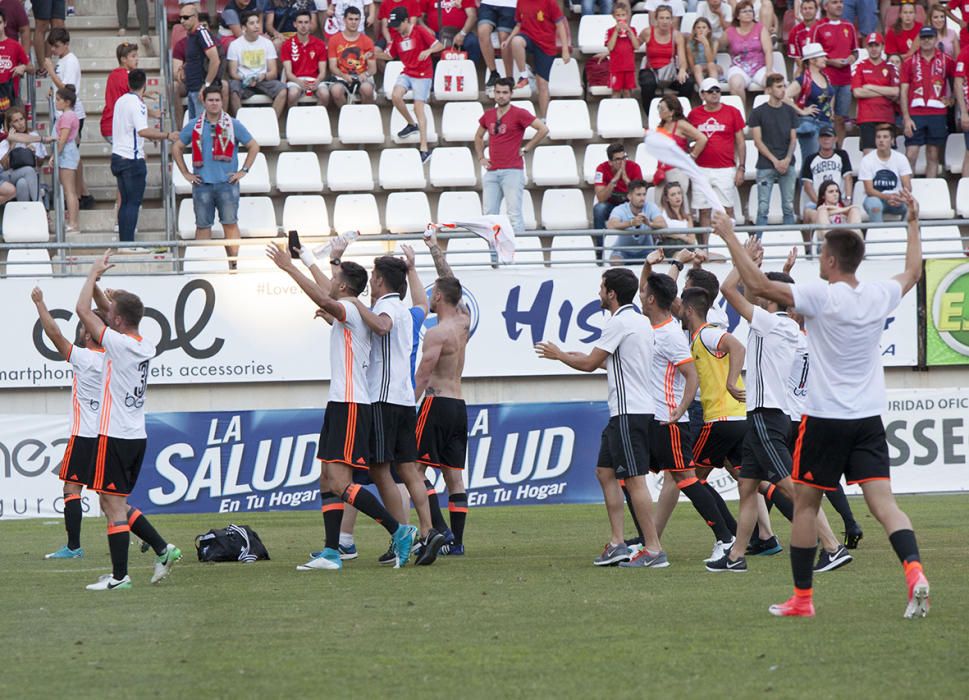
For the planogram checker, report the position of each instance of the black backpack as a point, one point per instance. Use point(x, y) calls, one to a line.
point(234, 543)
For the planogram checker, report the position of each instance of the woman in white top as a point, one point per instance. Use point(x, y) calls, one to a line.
point(832, 209)
point(20, 153)
point(673, 204)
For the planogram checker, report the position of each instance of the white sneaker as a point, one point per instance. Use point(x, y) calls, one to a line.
point(719, 550)
point(165, 562)
point(107, 582)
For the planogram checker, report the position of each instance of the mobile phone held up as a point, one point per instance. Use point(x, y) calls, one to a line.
point(294, 244)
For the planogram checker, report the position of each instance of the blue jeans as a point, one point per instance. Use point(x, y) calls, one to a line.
point(600, 215)
point(766, 178)
point(132, 174)
point(195, 107)
point(589, 7)
point(877, 208)
point(472, 47)
point(206, 198)
point(866, 14)
point(807, 135)
point(507, 184)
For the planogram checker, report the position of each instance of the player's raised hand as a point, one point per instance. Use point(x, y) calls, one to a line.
point(430, 236)
point(655, 257)
point(36, 295)
point(722, 224)
point(913, 204)
point(686, 255)
point(409, 257)
point(548, 351)
point(755, 249)
point(102, 264)
point(791, 259)
point(281, 257)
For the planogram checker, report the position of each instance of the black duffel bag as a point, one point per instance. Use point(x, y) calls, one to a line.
point(234, 543)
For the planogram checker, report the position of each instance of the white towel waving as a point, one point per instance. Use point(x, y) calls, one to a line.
point(665, 150)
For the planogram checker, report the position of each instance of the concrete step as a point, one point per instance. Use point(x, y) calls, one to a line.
point(106, 9)
point(91, 20)
point(78, 262)
point(103, 220)
point(104, 44)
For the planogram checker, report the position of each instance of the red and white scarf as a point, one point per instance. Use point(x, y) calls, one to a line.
point(928, 87)
point(223, 140)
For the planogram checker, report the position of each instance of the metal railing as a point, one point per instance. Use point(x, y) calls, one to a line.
point(57, 192)
point(167, 109)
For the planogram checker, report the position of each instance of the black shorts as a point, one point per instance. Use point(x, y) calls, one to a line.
point(766, 455)
point(624, 447)
point(720, 442)
point(77, 467)
point(930, 129)
point(117, 465)
point(49, 9)
point(442, 433)
point(670, 446)
point(393, 438)
point(792, 436)
point(828, 448)
point(866, 138)
point(345, 436)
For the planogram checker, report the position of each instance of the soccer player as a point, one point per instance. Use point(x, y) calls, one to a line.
point(121, 429)
point(842, 433)
point(625, 349)
point(345, 435)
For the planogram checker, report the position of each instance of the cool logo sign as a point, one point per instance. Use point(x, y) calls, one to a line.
point(469, 300)
point(949, 311)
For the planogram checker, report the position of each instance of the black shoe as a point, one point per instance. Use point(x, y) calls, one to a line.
point(425, 156)
point(407, 131)
point(829, 562)
point(724, 564)
point(430, 546)
point(853, 535)
point(635, 541)
point(388, 557)
point(86, 202)
point(492, 79)
point(767, 547)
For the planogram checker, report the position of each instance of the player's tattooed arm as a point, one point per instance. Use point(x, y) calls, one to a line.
point(440, 261)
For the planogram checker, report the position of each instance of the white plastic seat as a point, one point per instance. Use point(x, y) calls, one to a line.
point(932, 194)
point(568, 119)
point(459, 121)
point(777, 244)
point(780, 65)
point(619, 119)
point(852, 146)
point(306, 214)
point(750, 161)
point(257, 217)
point(564, 209)
point(397, 123)
point(363, 251)
point(308, 126)
point(595, 155)
point(962, 198)
point(407, 212)
point(186, 221)
point(257, 181)
point(919, 169)
point(554, 166)
point(885, 242)
point(392, 71)
point(349, 171)
point(456, 206)
point(252, 258)
point(452, 166)
point(686, 23)
point(733, 101)
point(262, 123)
point(564, 79)
point(298, 171)
point(528, 107)
point(528, 211)
point(592, 32)
point(360, 124)
point(572, 249)
point(758, 100)
point(638, 22)
point(949, 243)
point(652, 117)
point(455, 80)
point(401, 169)
point(202, 259)
point(955, 152)
point(25, 222)
point(181, 185)
point(469, 252)
point(646, 161)
point(356, 212)
point(29, 262)
point(774, 215)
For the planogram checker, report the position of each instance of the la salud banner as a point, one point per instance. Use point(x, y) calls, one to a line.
point(947, 312)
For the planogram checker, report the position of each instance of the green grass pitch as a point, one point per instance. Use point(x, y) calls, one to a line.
point(523, 614)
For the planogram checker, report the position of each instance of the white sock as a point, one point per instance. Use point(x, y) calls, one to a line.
point(346, 539)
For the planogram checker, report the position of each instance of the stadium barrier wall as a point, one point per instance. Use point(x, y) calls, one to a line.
point(947, 312)
point(518, 454)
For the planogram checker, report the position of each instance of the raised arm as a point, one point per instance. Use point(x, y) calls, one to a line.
point(754, 279)
point(655, 257)
point(418, 297)
point(584, 362)
point(322, 299)
point(47, 321)
point(731, 292)
point(95, 326)
point(101, 300)
point(440, 262)
point(913, 245)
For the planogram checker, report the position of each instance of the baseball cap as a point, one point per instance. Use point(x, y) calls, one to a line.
point(398, 16)
point(826, 131)
point(928, 32)
point(875, 38)
point(709, 84)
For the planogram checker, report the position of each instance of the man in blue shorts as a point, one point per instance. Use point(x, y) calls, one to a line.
point(539, 24)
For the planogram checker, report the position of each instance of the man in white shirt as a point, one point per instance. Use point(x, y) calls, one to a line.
point(254, 68)
point(886, 174)
point(625, 349)
point(842, 433)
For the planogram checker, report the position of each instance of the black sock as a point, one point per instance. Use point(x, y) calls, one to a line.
point(725, 515)
point(905, 546)
point(802, 566)
point(707, 508)
point(332, 517)
point(142, 528)
point(632, 512)
point(783, 503)
point(457, 505)
point(367, 503)
point(838, 499)
point(72, 520)
point(119, 537)
point(437, 519)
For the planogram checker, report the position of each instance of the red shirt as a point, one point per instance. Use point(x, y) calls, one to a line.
point(408, 49)
point(452, 13)
point(537, 19)
point(839, 40)
point(901, 41)
point(719, 127)
point(604, 174)
point(961, 5)
point(962, 70)
point(885, 74)
point(622, 58)
point(926, 91)
point(305, 58)
point(413, 8)
point(116, 86)
point(505, 141)
point(16, 16)
point(798, 37)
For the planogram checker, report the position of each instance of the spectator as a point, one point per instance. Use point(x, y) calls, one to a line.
point(214, 139)
point(495, 16)
point(333, 14)
point(961, 90)
point(47, 14)
point(948, 38)
point(885, 172)
point(611, 183)
point(17, 23)
point(839, 41)
point(414, 45)
point(384, 34)
point(117, 86)
point(178, 75)
point(875, 85)
point(962, 19)
point(254, 68)
point(774, 128)
point(901, 39)
point(141, 10)
point(505, 166)
point(830, 164)
point(352, 62)
point(230, 19)
point(304, 64)
point(13, 65)
point(722, 159)
point(664, 65)
point(202, 62)
point(280, 19)
point(677, 8)
point(890, 9)
point(589, 7)
point(454, 23)
point(801, 32)
point(750, 48)
point(538, 23)
point(832, 209)
point(65, 131)
point(863, 14)
point(621, 44)
point(20, 155)
point(637, 215)
point(130, 129)
point(813, 96)
point(673, 123)
point(700, 52)
point(672, 204)
point(926, 77)
point(719, 14)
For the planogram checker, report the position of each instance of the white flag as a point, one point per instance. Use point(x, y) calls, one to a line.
point(665, 150)
point(496, 230)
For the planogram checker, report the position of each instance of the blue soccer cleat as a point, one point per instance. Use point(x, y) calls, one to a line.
point(403, 541)
point(65, 553)
point(328, 560)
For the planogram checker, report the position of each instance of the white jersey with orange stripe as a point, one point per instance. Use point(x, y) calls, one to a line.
point(124, 384)
point(349, 357)
point(666, 383)
point(86, 392)
point(389, 371)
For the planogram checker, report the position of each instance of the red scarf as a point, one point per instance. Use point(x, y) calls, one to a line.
point(223, 140)
point(929, 87)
